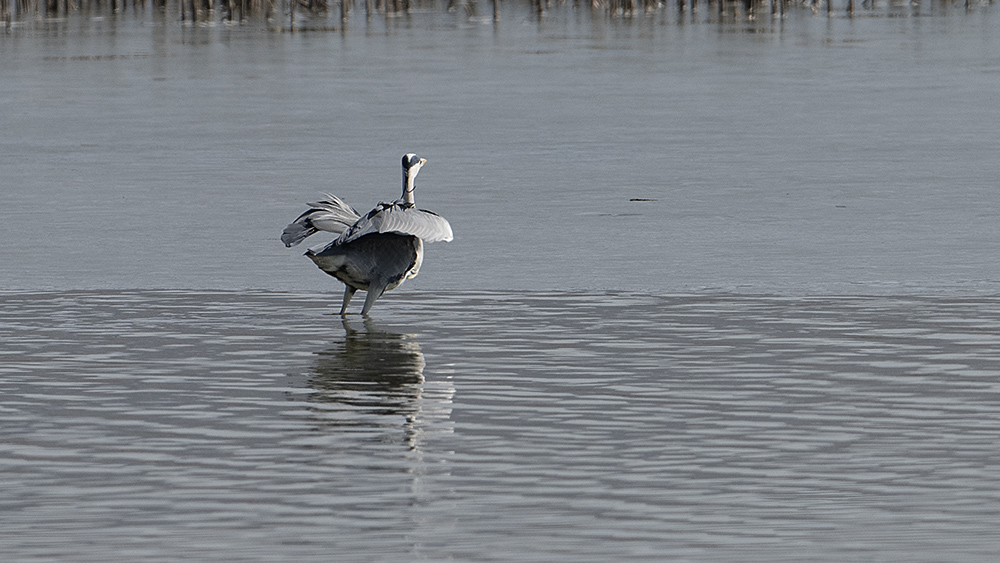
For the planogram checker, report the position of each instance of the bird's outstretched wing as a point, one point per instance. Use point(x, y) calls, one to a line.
point(331, 214)
point(399, 217)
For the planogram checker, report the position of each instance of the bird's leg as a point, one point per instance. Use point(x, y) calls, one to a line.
point(374, 292)
point(348, 293)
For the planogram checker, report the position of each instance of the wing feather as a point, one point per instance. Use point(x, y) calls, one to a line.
point(400, 218)
point(331, 214)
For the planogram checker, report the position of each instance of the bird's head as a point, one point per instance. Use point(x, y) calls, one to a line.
point(412, 164)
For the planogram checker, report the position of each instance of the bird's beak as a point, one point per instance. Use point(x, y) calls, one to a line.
point(423, 161)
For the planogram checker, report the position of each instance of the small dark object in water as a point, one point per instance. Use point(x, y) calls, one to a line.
point(641, 199)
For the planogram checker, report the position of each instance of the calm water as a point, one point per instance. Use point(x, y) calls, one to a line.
point(808, 155)
point(787, 350)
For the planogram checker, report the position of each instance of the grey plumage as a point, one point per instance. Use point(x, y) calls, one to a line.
point(398, 217)
point(378, 251)
point(332, 215)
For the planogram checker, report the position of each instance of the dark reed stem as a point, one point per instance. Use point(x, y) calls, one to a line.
point(12, 11)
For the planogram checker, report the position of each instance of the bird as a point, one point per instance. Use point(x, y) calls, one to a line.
point(378, 251)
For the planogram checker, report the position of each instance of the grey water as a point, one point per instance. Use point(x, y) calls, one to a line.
point(813, 154)
point(724, 287)
point(485, 426)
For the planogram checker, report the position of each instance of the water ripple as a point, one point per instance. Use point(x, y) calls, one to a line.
point(562, 426)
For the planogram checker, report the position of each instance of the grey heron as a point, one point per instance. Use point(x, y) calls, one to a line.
point(376, 252)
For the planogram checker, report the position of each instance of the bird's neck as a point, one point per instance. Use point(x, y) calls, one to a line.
point(408, 185)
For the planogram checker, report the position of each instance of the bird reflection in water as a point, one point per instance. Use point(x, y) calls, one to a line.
point(373, 381)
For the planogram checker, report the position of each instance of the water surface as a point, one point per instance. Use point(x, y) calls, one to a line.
point(482, 426)
point(807, 155)
point(722, 289)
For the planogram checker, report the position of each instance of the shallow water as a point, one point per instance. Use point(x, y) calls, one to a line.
point(806, 155)
point(560, 426)
point(785, 348)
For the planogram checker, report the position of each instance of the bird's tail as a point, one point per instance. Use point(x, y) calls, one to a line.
point(331, 214)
